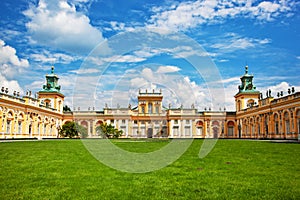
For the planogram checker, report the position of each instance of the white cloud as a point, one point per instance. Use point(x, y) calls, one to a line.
point(57, 24)
point(177, 89)
point(86, 71)
point(222, 60)
point(48, 57)
point(12, 85)
point(189, 14)
point(282, 86)
point(232, 42)
point(10, 63)
point(124, 58)
point(8, 56)
point(167, 69)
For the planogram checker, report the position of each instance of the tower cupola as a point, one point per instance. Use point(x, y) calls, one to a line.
point(50, 95)
point(51, 82)
point(247, 84)
point(247, 95)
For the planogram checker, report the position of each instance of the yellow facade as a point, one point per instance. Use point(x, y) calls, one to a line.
point(255, 117)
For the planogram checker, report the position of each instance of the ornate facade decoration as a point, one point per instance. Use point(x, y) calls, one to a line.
point(255, 116)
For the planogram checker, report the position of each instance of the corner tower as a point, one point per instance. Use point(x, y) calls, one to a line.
point(50, 95)
point(247, 95)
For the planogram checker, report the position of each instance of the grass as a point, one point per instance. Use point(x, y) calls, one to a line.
point(234, 169)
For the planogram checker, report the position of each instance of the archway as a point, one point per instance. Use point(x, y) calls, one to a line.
point(216, 129)
point(199, 128)
point(230, 128)
point(287, 123)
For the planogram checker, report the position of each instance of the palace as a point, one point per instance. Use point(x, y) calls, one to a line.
point(255, 117)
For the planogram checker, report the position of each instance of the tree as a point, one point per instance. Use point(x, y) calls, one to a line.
point(72, 129)
point(82, 131)
point(108, 131)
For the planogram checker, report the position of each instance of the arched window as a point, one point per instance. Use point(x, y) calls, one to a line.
point(19, 127)
point(199, 126)
point(8, 126)
point(84, 124)
point(287, 122)
point(99, 122)
point(216, 129)
point(45, 130)
point(230, 128)
point(266, 125)
point(250, 103)
point(258, 126)
point(276, 124)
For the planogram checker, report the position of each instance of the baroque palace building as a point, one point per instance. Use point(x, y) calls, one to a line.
point(255, 117)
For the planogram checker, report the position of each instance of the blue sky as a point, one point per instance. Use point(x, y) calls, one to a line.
point(82, 39)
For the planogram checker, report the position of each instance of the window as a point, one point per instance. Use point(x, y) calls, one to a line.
point(143, 131)
point(175, 130)
point(38, 128)
point(20, 127)
point(45, 129)
point(8, 126)
point(176, 121)
point(187, 121)
point(123, 128)
point(230, 131)
point(157, 109)
point(187, 130)
point(199, 130)
point(150, 108)
point(143, 109)
point(287, 123)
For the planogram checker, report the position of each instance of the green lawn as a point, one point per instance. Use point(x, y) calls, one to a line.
point(234, 169)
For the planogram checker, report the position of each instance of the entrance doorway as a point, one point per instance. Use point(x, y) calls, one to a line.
point(149, 132)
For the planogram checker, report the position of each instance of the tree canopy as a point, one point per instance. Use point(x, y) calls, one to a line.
point(72, 129)
point(108, 131)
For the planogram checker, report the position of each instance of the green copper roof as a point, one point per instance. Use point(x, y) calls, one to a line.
point(51, 82)
point(247, 84)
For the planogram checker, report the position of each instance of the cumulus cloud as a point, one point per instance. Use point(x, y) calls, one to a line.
point(178, 89)
point(58, 25)
point(186, 15)
point(10, 63)
point(167, 69)
point(8, 56)
point(12, 85)
point(282, 86)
